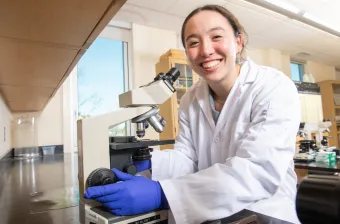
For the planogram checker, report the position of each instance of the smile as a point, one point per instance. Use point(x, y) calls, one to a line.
point(211, 64)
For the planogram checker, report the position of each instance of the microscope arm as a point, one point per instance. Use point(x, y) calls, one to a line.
point(93, 139)
point(138, 105)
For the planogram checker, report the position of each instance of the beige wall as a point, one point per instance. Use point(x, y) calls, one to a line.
point(320, 71)
point(51, 122)
point(5, 128)
point(337, 75)
point(277, 59)
point(148, 45)
point(47, 127)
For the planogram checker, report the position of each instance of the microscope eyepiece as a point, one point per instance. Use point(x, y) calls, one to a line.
point(172, 75)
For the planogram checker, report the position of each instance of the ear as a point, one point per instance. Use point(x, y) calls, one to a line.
point(239, 42)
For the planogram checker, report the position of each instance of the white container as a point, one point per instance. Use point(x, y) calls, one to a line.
point(48, 150)
point(311, 78)
point(305, 78)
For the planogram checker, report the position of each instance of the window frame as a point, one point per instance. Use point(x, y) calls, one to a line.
point(118, 30)
point(115, 30)
point(301, 71)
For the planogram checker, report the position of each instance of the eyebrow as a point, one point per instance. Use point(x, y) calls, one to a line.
point(210, 30)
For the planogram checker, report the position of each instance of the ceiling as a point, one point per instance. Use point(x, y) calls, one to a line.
point(41, 41)
point(266, 28)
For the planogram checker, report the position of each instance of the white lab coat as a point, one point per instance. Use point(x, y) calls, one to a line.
point(245, 161)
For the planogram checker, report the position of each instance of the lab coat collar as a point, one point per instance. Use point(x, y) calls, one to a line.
point(248, 74)
point(202, 96)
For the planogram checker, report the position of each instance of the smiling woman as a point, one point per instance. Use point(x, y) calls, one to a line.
point(213, 48)
point(236, 140)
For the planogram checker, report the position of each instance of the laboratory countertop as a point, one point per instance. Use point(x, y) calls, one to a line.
point(318, 166)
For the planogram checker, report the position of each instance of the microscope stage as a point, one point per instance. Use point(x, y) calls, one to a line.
point(130, 142)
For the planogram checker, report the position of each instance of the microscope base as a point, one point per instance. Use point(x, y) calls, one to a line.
point(98, 215)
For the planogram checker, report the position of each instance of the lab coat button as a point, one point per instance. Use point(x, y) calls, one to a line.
point(217, 140)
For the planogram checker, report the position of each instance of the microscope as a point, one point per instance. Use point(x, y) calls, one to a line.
point(315, 139)
point(98, 153)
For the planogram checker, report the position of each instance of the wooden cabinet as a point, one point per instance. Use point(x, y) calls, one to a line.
point(330, 90)
point(311, 108)
point(169, 109)
point(300, 173)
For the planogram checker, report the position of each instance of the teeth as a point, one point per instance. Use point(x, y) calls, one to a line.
point(210, 64)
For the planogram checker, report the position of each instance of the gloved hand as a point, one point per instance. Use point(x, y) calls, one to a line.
point(142, 165)
point(135, 195)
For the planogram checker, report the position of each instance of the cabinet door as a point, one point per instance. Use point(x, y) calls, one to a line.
point(182, 85)
point(184, 81)
point(311, 108)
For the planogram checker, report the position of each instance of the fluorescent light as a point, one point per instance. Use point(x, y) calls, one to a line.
point(321, 22)
point(284, 5)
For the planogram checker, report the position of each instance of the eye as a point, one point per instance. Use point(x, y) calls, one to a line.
point(193, 43)
point(217, 37)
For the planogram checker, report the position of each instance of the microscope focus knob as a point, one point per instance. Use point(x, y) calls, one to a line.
point(101, 176)
point(130, 169)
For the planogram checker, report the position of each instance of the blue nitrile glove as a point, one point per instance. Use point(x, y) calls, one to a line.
point(135, 195)
point(142, 165)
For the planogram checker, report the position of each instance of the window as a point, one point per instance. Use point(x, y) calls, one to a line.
point(297, 71)
point(103, 74)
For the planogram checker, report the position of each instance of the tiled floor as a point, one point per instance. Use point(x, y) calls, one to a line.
point(39, 190)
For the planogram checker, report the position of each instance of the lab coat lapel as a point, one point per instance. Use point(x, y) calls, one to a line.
point(202, 96)
point(247, 76)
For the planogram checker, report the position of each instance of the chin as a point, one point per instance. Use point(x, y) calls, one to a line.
point(213, 78)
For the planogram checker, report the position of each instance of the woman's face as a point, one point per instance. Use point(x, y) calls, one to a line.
point(211, 45)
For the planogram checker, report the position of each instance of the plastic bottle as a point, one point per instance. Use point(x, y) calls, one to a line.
point(311, 78)
point(306, 78)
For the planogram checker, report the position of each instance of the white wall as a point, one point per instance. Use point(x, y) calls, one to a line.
point(5, 128)
point(50, 123)
point(69, 111)
point(47, 128)
point(148, 44)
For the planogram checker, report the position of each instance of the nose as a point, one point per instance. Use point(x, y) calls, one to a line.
point(207, 48)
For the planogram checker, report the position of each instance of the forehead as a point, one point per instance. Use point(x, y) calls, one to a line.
point(205, 21)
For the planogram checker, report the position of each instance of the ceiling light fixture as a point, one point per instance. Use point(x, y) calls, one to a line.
point(286, 9)
point(319, 21)
point(284, 5)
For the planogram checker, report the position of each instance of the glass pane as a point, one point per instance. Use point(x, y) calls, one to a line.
point(294, 69)
point(181, 83)
point(189, 76)
point(101, 80)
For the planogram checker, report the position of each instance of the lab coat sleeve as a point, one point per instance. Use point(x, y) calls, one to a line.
point(181, 160)
point(265, 151)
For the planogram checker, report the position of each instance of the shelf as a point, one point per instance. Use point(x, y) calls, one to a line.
point(337, 107)
point(185, 78)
